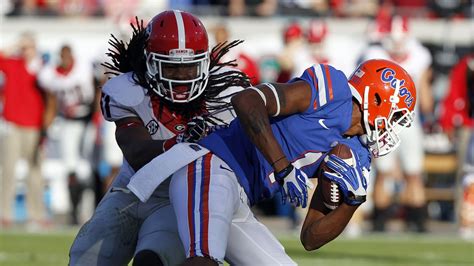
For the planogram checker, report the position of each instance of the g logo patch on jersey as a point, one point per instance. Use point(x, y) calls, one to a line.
point(152, 126)
point(179, 127)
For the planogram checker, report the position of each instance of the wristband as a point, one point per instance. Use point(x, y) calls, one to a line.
point(280, 175)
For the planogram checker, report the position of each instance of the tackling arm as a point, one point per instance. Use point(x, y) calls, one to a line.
point(322, 225)
point(136, 143)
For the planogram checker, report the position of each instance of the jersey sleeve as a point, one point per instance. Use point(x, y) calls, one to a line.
point(113, 110)
point(119, 98)
point(327, 84)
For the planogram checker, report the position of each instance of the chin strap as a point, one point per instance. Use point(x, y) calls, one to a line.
point(365, 111)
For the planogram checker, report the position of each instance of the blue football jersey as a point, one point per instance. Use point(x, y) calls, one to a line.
point(304, 137)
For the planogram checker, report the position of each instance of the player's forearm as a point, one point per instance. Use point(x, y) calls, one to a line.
point(253, 116)
point(323, 230)
point(136, 144)
point(142, 152)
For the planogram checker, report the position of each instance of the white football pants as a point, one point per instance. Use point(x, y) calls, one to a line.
point(214, 218)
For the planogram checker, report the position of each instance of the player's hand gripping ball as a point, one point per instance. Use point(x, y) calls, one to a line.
point(331, 194)
point(341, 167)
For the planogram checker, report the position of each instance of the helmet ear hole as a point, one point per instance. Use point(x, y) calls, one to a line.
point(378, 99)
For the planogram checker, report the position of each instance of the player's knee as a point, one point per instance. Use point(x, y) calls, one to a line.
point(414, 178)
point(147, 258)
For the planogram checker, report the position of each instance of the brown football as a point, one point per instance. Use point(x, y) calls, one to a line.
point(331, 194)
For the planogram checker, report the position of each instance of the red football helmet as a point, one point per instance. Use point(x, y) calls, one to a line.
point(396, 38)
point(387, 96)
point(317, 31)
point(177, 56)
point(292, 31)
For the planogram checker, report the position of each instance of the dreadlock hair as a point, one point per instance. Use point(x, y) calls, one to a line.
point(126, 57)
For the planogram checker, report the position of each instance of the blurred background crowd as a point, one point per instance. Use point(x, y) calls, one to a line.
point(58, 155)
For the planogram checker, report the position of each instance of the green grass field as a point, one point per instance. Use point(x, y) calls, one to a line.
point(23, 249)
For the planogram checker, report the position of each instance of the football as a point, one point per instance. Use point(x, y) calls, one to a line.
point(331, 194)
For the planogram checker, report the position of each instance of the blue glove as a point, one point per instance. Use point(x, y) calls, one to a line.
point(294, 183)
point(352, 179)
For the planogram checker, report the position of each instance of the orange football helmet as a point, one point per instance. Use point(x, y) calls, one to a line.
point(387, 96)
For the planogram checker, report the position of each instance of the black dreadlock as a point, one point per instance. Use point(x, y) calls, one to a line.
point(130, 57)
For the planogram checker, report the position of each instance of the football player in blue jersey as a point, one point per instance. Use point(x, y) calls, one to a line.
point(278, 140)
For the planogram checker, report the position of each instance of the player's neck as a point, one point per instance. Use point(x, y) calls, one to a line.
point(356, 128)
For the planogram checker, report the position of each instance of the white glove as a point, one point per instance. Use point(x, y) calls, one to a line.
point(294, 183)
point(350, 178)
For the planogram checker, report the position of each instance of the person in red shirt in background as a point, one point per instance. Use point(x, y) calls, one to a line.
point(458, 105)
point(26, 116)
point(457, 120)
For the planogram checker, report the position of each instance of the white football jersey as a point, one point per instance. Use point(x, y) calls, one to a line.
point(122, 97)
point(74, 90)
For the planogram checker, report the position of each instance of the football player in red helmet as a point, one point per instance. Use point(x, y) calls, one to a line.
point(312, 112)
point(397, 44)
point(316, 36)
point(169, 87)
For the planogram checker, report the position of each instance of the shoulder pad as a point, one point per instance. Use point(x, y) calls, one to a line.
point(124, 90)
